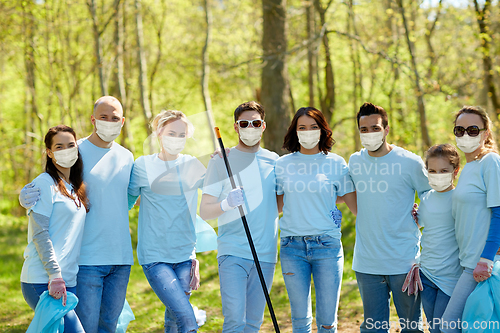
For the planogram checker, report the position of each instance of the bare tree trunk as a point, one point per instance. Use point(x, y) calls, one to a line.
point(275, 93)
point(328, 104)
point(126, 139)
point(426, 140)
point(205, 67)
point(431, 26)
point(141, 58)
point(311, 52)
point(97, 42)
point(356, 73)
point(159, 54)
point(483, 22)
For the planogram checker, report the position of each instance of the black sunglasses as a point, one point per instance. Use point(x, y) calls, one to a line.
point(256, 123)
point(459, 131)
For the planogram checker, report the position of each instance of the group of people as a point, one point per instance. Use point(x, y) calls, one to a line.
point(79, 239)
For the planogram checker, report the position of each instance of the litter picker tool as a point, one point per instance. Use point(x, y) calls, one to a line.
point(249, 236)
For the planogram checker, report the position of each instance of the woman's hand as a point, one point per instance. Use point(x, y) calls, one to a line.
point(57, 289)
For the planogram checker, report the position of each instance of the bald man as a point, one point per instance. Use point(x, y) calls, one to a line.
point(106, 253)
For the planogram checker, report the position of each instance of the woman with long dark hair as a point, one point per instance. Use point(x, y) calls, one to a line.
point(56, 224)
point(312, 180)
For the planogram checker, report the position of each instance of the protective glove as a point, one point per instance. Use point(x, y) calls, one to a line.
point(233, 200)
point(194, 283)
point(57, 289)
point(412, 282)
point(483, 270)
point(29, 195)
point(414, 213)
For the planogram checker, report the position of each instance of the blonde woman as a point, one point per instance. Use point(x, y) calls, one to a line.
point(475, 208)
point(168, 184)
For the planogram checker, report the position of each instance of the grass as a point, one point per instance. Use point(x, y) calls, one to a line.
point(15, 315)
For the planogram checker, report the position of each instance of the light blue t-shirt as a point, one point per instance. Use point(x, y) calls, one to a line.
point(255, 172)
point(311, 184)
point(106, 237)
point(169, 199)
point(66, 223)
point(478, 189)
point(439, 258)
point(387, 237)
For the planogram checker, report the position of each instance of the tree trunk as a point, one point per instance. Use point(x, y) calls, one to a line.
point(275, 92)
point(328, 104)
point(426, 140)
point(356, 74)
point(141, 59)
point(485, 35)
point(205, 70)
point(97, 42)
point(311, 51)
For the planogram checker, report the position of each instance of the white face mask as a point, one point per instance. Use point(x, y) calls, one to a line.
point(250, 136)
point(467, 143)
point(372, 141)
point(440, 181)
point(108, 130)
point(309, 139)
point(66, 158)
point(173, 145)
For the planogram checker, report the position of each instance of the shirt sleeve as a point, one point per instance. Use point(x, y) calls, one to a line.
point(493, 240)
point(43, 244)
point(491, 177)
point(212, 184)
point(134, 186)
point(345, 184)
point(419, 178)
point(45, 204)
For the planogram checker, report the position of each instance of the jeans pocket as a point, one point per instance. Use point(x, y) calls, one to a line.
point(147, 267)
point(221, 259)
point(329, 241)
point(285, 241)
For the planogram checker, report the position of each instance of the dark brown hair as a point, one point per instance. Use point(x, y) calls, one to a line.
point(76, 174)
point(445, 150)
point(249, 106)
point(326, 142)
point(368, 109)
point(490, 145)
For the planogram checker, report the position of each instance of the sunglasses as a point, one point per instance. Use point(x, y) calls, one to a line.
point(459, 131)
point(256, 123)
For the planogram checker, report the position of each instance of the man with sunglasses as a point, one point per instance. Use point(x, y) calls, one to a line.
point(243, 301)
point(386, 178)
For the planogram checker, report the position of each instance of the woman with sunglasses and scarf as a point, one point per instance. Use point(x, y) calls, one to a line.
point(56, 225)
point(312, 180)
point(475, 207)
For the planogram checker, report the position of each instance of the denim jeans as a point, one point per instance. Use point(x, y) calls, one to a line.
point(376, 292)
point(101, 292)
point(243, 300)
point(170, 282)
point(434, 301)
point(31, 294)
point(322, 256)
point(452, 317)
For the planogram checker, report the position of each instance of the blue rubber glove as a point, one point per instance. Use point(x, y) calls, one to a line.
point(233, 200)
point(29, 195)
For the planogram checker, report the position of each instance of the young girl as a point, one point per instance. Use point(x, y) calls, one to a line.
point(168, 184)
point(312, 179)
point(439, 264)
point(56, 225)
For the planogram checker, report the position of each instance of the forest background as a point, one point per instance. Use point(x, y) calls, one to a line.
point(421, 60)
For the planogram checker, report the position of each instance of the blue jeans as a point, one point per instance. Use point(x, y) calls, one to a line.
point(243, 300)
point(170, 282)
point(101, 292)
point(322, 256)
point(375, 291)
point(434, 301)
point(452, 317)
point(31, 294)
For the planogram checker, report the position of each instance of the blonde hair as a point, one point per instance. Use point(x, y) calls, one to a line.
point(490, 145)
point(166, 116)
